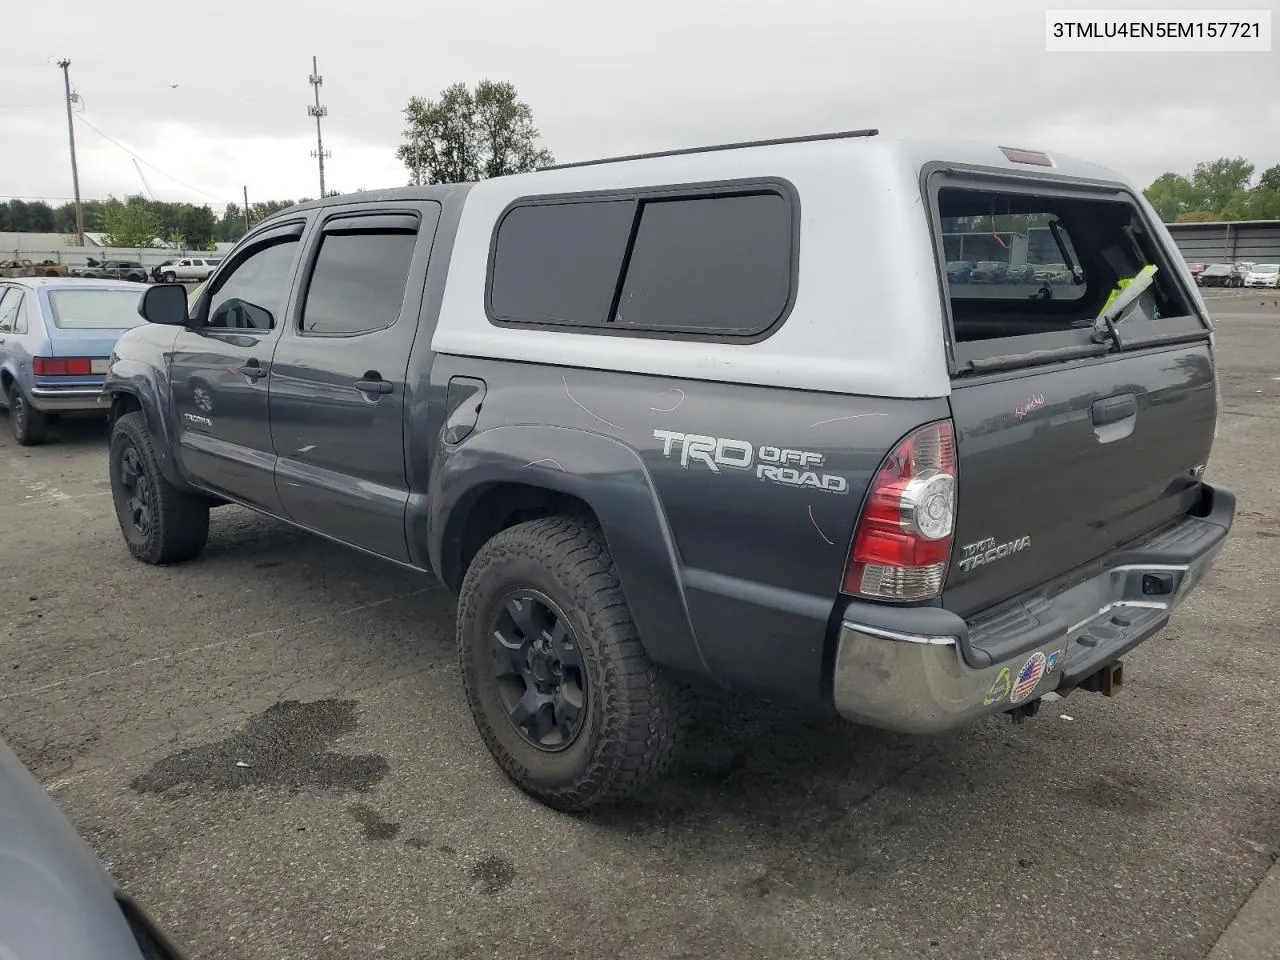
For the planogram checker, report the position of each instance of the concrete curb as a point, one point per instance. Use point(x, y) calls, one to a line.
point(1254, 932)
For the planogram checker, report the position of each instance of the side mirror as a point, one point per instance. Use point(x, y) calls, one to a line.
point(164, 303)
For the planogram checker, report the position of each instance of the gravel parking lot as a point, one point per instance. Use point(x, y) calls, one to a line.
point(271, 750)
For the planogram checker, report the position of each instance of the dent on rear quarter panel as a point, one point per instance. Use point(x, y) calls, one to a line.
point(756, 561)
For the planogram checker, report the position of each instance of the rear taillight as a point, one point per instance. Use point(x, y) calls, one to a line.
point(903, 540)
point(63, 366)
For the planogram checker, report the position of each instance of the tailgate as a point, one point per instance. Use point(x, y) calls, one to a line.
point(1062, 466)
point(1072, 436)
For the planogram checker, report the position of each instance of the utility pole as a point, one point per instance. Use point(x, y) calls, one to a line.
point(246, 209)
point(71, 136)
point(318, 111)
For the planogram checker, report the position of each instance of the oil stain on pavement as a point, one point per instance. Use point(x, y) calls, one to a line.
point(375, 827)
point(493, 875)
point(284, 746)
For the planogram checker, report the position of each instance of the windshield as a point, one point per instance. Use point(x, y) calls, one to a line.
point(94, 309)
point(1267, 268)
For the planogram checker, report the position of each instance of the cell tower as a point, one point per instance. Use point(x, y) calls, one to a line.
point(318, 111)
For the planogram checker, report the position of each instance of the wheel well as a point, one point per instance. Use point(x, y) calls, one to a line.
point(6, 378)
point(122, 403)
point(504, 505)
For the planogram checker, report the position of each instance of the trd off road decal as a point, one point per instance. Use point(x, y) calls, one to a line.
point(792, 468)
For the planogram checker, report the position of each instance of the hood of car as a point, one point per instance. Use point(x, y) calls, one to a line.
point(56, 900)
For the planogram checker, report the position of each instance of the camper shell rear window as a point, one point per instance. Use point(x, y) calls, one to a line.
point(1026, 267)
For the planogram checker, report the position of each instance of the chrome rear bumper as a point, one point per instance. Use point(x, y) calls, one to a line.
point(924, 682)
point(67, 400)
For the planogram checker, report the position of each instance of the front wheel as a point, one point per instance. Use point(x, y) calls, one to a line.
point(161, 524)
point(168, 276)
point(30, 427)
point(557, 681)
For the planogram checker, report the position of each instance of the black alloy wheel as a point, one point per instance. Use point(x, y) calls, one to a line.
point(137, 492)
point(540, 673)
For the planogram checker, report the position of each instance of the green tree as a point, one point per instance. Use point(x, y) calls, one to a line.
point(1219, 180)
point(1260, 203)
point(1172, 195)
point(260, 211)
point(131, 223)
point(197, 226)
point(64, 218)
point(466, 136)
point(41, 215)
point(1270, 179)
point(19, 217)
point(230, 224)
point(95, 216)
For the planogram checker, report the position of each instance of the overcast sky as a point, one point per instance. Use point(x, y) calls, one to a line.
point(214, 93)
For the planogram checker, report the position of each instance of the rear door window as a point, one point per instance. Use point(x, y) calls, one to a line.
point(358, 284)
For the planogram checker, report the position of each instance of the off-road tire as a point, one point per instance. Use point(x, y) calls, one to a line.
point(180, 521)
point(30, 427)
point(168, 277)
point(636, 715)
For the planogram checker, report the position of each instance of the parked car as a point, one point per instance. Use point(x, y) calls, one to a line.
point(1195, 269)
point(599, 404)
point(187, 268)
point(56, 336)
point(1263, 275)
point(112, 270)
point(56, 898)
point(1217, 275)
point(989, 271)
point(959, 271)
point(29, 268)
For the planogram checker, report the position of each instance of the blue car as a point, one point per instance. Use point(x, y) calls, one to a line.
point(56, 335)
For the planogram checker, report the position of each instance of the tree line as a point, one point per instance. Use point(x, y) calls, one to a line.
point(1223, 189)
point(467, 134)
point(138, 221)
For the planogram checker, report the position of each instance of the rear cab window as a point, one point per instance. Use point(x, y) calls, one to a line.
point(1027, 267)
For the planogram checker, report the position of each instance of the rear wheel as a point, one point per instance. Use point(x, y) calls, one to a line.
point(30, 427)
point(559, 685)
point(160, 523)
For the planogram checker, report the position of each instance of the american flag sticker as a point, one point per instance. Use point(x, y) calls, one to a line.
point(1028, 677)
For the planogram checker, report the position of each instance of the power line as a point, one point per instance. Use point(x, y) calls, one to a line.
point(81, 117)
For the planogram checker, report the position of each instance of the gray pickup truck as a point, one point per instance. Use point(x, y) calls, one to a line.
point(711, 417)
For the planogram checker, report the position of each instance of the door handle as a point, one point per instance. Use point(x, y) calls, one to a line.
point(1114, 409)
point(372, 382)
point(253, 371)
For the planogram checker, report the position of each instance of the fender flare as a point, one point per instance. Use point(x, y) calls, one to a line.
point(139, 381)
point(612, 480)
